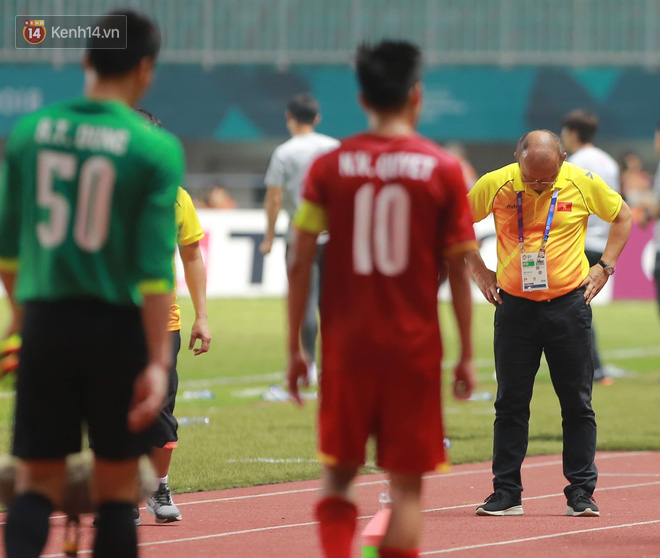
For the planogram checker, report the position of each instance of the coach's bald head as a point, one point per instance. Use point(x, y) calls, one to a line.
point(540, 155)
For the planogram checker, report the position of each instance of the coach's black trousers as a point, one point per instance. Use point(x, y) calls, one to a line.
point(560, 328)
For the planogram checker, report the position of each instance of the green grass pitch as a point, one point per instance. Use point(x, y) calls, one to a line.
point(249, 441)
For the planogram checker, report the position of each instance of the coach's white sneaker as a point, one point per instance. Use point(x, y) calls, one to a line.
point(582, 504)
point(161, 506)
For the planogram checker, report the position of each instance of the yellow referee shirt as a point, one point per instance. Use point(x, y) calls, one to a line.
point(189, 230)
point(581, 193)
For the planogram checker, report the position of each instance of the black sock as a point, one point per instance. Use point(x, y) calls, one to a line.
point(115, 531)
point(26, 530)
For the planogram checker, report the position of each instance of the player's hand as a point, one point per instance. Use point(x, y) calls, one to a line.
point(266, 245)
point(148, 396)
point(487, 282)
point(297, 374)
point(200, 330)
point(594, 282)
point(464, 379)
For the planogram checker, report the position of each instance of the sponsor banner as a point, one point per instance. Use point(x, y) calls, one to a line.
point(236, 268)
point(633, 279)
point(234, 265)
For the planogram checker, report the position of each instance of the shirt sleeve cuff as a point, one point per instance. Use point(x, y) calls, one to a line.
point(191, 239)
point(461, 247)
point(310, 218)
point(8, 264)
point(155, 286)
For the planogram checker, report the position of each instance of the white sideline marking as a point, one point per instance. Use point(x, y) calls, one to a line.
point(204, 537)
point(273, 460)
point(233, 380)
point(444, 551)
point(628, 475)
point(539, 538)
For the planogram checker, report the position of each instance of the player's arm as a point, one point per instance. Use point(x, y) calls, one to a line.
point(193, 268)
point(458, 238)
point(308, 223)
point(190, 234)
point(272, 206)
point(461, 298)
point(274, 180)
point(155, 250)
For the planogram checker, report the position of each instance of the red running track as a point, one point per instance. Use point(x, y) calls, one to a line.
point(277, 520)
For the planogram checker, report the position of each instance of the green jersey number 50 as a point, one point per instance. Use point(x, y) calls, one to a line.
point(95, 186)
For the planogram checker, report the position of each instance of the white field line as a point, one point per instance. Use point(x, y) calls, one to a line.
point(628, 475)
point(233, 380)
point(310, 523)
point(273, 460)
point(539, 538)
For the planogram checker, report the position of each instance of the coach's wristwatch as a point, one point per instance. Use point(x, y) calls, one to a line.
point(609, 269)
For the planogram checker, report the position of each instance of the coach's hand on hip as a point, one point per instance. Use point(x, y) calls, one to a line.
point(594, 282)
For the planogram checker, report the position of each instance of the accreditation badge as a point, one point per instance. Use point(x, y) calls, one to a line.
point(534, 272)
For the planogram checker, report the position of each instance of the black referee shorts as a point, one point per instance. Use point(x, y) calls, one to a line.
point(78, 364)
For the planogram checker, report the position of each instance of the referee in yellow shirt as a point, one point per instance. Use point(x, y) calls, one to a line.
point(542, 290)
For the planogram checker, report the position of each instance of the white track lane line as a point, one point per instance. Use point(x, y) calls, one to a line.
point(371, 483)
point(310, 523)
point(428, 477)
point(539, 538)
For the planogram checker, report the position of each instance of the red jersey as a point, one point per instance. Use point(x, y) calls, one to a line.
point(394, 207)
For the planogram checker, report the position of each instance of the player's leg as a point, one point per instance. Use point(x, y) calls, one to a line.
point(164, 441)
point(401, 539)
point(346, 414)
point(111, 375)
point(410, 442)
point(39, 486)
point(45, 431)
point(336, 511)
point(116, 486)
point(310, 326)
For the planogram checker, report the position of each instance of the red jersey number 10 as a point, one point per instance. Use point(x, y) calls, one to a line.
point(381, 222)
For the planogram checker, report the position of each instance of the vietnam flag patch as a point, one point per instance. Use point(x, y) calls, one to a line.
point(564, 206)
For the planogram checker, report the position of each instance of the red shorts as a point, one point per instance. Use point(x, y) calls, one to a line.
point(400, 408)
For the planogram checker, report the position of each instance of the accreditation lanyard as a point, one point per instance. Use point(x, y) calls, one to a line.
point(548, 223)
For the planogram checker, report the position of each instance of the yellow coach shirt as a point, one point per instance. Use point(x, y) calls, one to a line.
point(189, 230)
point(581, 193)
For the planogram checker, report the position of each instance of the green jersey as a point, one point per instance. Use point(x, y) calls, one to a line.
point(87, 203)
